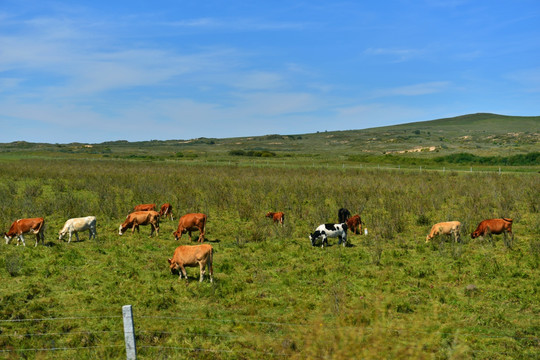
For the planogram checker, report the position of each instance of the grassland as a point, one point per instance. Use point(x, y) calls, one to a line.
point(388, 295)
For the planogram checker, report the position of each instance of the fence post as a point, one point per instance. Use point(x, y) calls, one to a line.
point(129, 333)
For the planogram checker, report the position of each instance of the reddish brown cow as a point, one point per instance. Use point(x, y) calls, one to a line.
point(355, 224)
point(137, 218)
point(192, 255)
point(493, 226)
point(276, 217)
point(145, 207)
point(24, 226)
point(189, 223)
point(166, 210)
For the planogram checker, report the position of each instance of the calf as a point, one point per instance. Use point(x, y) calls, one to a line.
point(192, 255)
point(145, 207)
point(493, 226)
point(325, 231)
point(24, 226)
point(276, 216)
point(189, 223)
point(166, 210)
point(79, 224)
point(446, 228)
point(343, 215)
point(355, 224)
point(137, 218)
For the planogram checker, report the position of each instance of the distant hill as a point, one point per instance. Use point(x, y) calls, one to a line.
point(478, 134)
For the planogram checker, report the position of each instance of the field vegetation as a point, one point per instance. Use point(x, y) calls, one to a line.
point(389, 294)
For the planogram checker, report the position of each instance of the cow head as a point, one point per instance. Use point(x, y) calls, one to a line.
point(314, 236)
point(121, 230)
point(177, 233)
point(61, 234)
point(475, 234)
point(8, 238)
point(173, 266)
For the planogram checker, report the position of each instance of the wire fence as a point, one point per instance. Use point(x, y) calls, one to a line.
point(244, 336)
point(334, 164)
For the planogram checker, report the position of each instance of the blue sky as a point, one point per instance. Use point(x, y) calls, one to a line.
point(94, 71)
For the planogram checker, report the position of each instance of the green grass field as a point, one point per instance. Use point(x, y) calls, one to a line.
point(388, 295)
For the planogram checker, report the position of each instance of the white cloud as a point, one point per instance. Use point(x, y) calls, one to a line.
point(259, 80)
point(399, 55)
point(414, 90)
point(529, 79)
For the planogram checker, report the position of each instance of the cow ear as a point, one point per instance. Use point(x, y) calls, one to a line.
point(170, 261)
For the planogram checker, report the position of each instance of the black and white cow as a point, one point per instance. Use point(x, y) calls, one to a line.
point(325, 231)
point(343, 215)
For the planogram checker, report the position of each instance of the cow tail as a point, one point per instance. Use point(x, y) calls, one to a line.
point(41, 227)
point(211, 263)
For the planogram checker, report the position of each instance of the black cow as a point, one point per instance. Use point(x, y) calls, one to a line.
point(343, 215)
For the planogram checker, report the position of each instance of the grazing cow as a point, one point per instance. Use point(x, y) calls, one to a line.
point(325, 231)
point(343, 215)
point(192, 255)
point(137, 218)
point(493, 226)
point(189, 223)
point(166, 210)
point(79, 224)
point(355, 224)
point(445, 228)
point(276, 216)
point(24, 226)
point(145, 207)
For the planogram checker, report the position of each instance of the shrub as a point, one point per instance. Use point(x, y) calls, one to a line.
point(14, 264)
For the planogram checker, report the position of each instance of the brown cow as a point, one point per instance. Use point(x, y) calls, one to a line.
point(24, 226)
point(137, 218)
point(355, 224)
point(191, 255)
point(446, 228)
point(276, 216)
point(166, 210)
point(493, 226)
point(189, 223)
point(145, 207)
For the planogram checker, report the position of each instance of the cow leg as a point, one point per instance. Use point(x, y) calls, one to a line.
point(344, 240)
point(201, 267)
point(189, 234)
point(70, 234)
point(211, 269)
point(183, 271)
point(77, 236)
point(201, 236)
point(20, 238)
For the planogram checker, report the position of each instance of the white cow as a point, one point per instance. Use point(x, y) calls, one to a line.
point(325, 231)
point(79, 224)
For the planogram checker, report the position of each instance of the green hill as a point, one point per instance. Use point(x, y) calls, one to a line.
point(477, 134)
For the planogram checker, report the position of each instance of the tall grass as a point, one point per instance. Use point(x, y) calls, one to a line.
point(389, 295)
